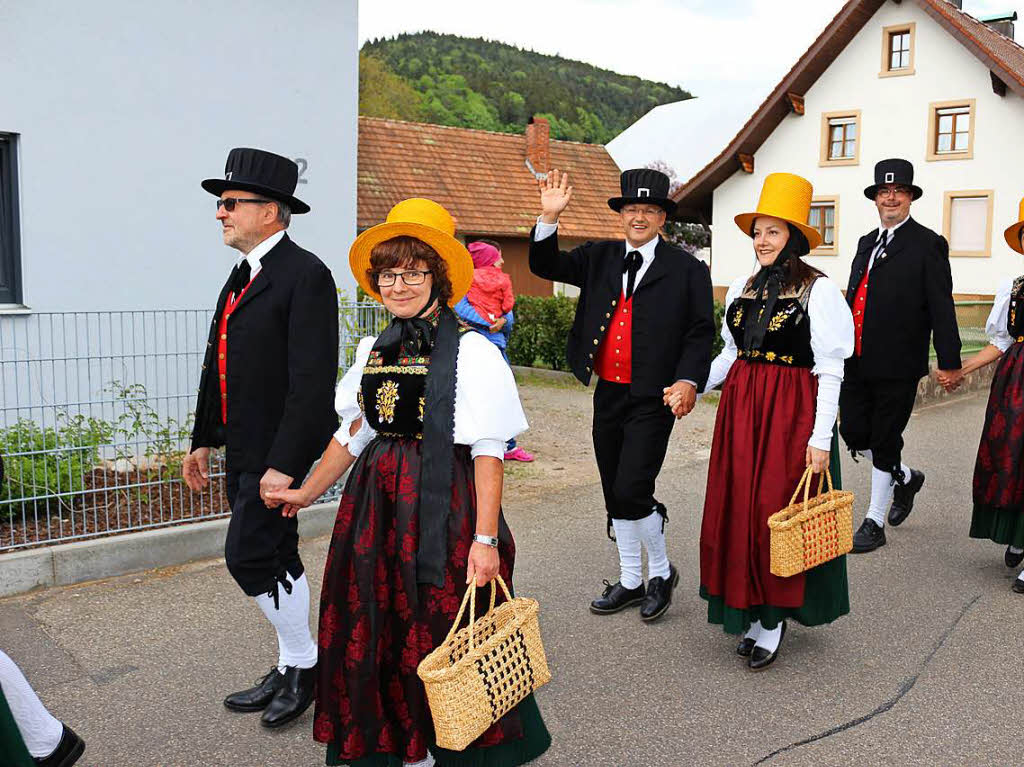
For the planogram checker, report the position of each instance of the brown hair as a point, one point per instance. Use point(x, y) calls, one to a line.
point(404, 252)
point(798, 272)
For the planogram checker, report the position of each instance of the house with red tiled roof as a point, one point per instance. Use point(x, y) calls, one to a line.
point(488, 181)
point(920, 79)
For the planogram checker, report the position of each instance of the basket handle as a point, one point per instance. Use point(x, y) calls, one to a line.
point(469, 598)
point(805, 485)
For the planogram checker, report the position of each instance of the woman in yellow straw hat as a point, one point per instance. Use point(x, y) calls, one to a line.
point(426, 410)
point(999, 470)
point(787, 330)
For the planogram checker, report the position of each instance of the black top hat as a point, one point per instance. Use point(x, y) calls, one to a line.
point(266, 173)
point(643, 185)
point(894, 171)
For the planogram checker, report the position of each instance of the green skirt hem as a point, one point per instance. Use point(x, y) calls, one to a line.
point(998, 525)
point(535, 741)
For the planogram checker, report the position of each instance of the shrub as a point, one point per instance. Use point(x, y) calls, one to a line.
point(541, 331)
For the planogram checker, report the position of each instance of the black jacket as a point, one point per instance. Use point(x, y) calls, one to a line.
point(282, 364)
point(910, 297)
point(673, 310)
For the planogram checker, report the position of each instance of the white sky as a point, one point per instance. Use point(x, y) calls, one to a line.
point(704, 46)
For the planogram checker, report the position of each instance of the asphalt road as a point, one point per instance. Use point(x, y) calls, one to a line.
point(926, 670)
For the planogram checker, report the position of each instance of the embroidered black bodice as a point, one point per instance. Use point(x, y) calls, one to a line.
point(787, 340)
point(392, 397)
point(1015, 315)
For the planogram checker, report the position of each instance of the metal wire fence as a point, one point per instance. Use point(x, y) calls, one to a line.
point(96, 416)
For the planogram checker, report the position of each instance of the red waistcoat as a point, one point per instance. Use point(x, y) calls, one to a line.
point(615, 356)
point(860, 299)
point(222, 349)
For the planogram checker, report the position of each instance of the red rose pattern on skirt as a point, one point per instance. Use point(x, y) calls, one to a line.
point(998, 480)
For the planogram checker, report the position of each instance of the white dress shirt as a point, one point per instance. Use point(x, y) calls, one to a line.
point(646, 250)
point(891, 230)
point(255, 255)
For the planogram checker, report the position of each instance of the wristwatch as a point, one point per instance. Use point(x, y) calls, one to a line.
point(486, 540)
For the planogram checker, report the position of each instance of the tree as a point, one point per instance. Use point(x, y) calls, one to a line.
point(382, 93)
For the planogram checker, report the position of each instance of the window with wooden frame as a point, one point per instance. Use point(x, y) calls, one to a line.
point(840, 138)
point(967, 222)
point(898, 50)
point(951, 130)
point(824, 217)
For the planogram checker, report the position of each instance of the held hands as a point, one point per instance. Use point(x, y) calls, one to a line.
point(195, 469)
point(816, 458)
point(292, 499)
point(680, 397)
point(482, 565)
point(273, 480)
point(497, 325)
point(950, 380)
point(555, 194)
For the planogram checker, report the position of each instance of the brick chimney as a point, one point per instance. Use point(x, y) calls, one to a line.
point(538, 146)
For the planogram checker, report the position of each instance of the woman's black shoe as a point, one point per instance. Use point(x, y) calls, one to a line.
point(1018, 585)
point(760, 658)
point(616, 597)
point(659, 595)
point(745, 647)
point(1011, 559)
point(71, 747)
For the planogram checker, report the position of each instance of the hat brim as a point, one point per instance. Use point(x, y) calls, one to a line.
point(1012, 236)
point(454, 253)
point(618, 203)
point(217, 186)
point(870, 191)
point(746, 220)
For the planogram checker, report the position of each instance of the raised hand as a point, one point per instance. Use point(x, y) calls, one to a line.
point(555, 194)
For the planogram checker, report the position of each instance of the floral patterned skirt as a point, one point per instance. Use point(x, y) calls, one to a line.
point(377, 623)
point(999, 470)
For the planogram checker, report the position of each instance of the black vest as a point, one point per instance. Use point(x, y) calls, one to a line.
point(787, 340)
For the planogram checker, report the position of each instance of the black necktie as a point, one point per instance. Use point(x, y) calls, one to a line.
point(240, 277)
point(883, 240)
point(632, 264)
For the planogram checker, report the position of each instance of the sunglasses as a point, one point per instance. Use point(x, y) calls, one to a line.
point(229, 203)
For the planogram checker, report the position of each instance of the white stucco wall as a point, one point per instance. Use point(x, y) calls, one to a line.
point(122, 107)
point(894, 123)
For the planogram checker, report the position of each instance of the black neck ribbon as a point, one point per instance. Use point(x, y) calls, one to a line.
point(766, 285)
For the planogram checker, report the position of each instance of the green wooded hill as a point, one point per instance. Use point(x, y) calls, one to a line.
point(477, 83)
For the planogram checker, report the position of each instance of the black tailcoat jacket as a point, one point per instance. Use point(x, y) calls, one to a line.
point(282, 365)
point(673, 310)
point(910, 297)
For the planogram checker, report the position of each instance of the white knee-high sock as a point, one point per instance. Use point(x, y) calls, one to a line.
point(754, 631)
point(769, 638)
point(652, 533)
point(881, 495)
point(627, 539)
point(1020, 576)
point(291, 619)
point(40, 730)
point(428, 762)
point(1015, 550)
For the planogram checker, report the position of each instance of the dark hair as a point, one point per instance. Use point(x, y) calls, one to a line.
point(406, 251)
point(798, 271)
point(492, 243)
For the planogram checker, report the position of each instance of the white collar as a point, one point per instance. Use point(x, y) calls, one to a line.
point(255, 255)
point(646, 250)
point(891, 230)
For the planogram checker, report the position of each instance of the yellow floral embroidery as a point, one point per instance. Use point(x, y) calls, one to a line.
point(738, 318)
point(770, 356)
point(359, 399)
point(423, 401)
point(776, 322)
point(387, 396)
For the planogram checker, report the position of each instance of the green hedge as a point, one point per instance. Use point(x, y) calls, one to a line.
point(542, 328)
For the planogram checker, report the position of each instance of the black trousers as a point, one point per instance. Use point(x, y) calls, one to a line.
point(261, 545)
point(873, 413)
point(630, 439)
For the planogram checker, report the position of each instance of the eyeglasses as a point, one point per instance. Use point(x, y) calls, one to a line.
point(894, 191)
point(647, 210)
point(229, 203)
point(411, 277)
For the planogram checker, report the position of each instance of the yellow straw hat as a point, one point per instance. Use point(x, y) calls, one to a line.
point(786, 196)
point(1012, 233)
point(428, 222)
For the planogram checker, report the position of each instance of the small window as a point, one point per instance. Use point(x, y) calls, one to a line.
point(898, 50)
point(840, 138)
point(951, 130)
point(824, 217)
point(10, 257)
point(967, 222)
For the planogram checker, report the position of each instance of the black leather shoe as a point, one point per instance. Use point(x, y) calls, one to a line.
point(71, 747)
point(659, 595)
point(745, 647)
point(616, 597)
point(1018, 585)
point(256, 698)
point(292, 698)
point(903, 497)
point(760, 658)
point(869, 537)
point(1011, 559)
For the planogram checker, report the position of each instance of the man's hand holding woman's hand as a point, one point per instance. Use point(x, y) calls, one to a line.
point(680, 397)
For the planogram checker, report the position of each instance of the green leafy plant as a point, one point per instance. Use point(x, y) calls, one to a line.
point(541, 331)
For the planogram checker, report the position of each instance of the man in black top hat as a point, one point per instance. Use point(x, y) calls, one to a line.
point(901, 294)
point(644, 323)
point(266, 394)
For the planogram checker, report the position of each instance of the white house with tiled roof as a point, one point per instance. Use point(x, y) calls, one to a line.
point(918, 79)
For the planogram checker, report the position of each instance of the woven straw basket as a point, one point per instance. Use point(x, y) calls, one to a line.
point(803, 535)
point(481, 672)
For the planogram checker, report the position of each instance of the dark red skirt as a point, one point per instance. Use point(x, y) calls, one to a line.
point(999, 470)
point(765, 418)
point(376, 622)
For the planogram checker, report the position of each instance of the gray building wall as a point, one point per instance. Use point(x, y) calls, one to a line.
point(120, 109)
